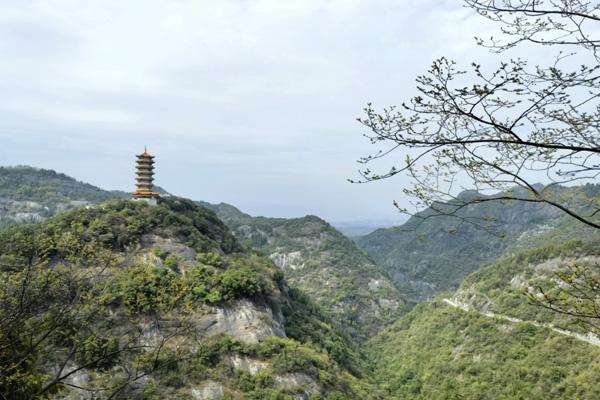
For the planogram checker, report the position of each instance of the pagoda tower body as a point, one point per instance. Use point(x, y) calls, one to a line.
point(145, 178)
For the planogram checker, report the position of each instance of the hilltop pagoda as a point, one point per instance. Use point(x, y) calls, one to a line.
point(145, 178)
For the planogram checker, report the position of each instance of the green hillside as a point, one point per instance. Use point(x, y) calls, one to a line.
point(125, 300)
point(322, 262)
point(30, 194)
point(46, 186)
point(188, 301)
point(428, 256)
point(488, 340)
point(439, 352)
point(334, 271)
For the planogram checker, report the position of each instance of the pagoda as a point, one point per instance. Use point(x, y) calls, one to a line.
point(145, 178)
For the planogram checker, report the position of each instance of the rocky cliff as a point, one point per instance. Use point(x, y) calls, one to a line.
point(322, 262)
point(125, 300)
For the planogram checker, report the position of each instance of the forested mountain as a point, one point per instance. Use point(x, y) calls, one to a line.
point(322, 262)
point(30, 194)
point(126, 300)
point(313, 255)
point(488, 340)
point(426, 256)
point(203, 301)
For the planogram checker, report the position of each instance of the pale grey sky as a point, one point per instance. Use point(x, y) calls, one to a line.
point(250, 102)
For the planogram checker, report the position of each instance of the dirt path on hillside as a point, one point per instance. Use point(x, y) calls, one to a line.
point(589, 338)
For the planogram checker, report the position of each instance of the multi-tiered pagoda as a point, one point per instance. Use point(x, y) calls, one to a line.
point(145, 178)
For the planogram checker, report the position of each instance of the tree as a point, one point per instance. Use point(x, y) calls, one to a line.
point(56, 321)
point(514, 125)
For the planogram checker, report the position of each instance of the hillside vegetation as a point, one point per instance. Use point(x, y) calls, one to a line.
point(496, 342)
point(322, 262)
point(125, 300)
point(428, 256)
point(30, 194)
point(314, 256)
point(122, 300)
point(439, 352)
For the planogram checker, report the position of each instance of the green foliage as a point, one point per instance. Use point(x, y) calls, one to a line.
point(328, 266)
point(97, 352)
point(43, 315)
point(240, 282)
point(150, 289)
point(210, 285)
point(432, 255)
point(440, 352)
point(305, 322)
point(47, 186)
point(78, 235)
point(211, 361)
point(436, 352)
point(512, 285)
point(87, 289)
point(146, 289)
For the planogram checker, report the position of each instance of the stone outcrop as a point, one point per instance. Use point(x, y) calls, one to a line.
point(209, 390)
point(297, 381)
point(244, 320)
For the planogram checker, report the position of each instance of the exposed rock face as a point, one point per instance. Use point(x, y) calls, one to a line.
point(297, 381)
point(375, 284)
point(292, 260)
point(170, 246)
point(209, 390)
point(245, 321)
point(21, 211)
point(247, 364)
point(389, 304)
point(323, 263)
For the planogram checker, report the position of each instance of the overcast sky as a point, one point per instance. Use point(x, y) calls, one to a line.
point(248, 102)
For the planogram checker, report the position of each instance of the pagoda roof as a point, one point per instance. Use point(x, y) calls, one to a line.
point(145, 154)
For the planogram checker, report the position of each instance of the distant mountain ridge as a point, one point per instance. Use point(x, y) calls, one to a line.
point(428, 256)
point(364, 227)
point(29, 194)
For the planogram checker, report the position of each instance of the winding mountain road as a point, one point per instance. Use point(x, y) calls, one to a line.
point(589, 338)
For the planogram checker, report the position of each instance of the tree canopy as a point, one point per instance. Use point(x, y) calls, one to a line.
point(515, 124)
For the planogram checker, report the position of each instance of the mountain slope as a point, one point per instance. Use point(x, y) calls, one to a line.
point(337, 272)
point(125, 300)
point(325, 264)
point(30, 194)
point(487, 340)
point(439, 352)
point(426, 257)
